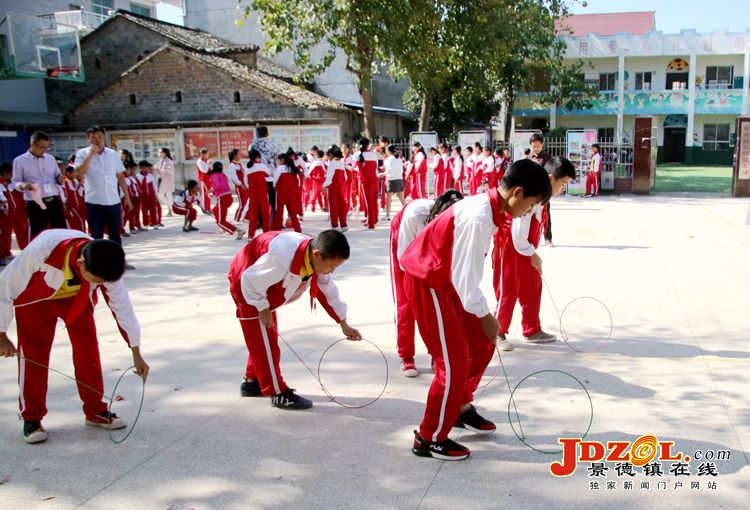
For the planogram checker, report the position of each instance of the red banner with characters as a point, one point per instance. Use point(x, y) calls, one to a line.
point(235, 139)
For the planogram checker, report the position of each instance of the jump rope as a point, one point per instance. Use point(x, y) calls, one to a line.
point(112, 398)
point(519, 433)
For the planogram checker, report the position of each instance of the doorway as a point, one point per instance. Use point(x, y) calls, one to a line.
point(674, 145)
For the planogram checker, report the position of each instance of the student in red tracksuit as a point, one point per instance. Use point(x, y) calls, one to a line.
point(203, 165)
point(56, 277)
point(258, 209)
point(148, 190)
point(236, 174)
point(18, 218)
point(182, 205)
point(302, 178)
point(133, 216)
point(271, 270)
point(317, 177)
point(438, 170)
point(477, 163)
point(218, 184)
point(419, 172)
point(72, 201)
point(352, 177)
point(458, 171)
point(335, 186)
point(593, 178)
point(409, 222)
point(517, 267)
point(445, 183)
point(443, 269)
point(286, 184)
point(6, 220)
point(488, 168)
point(367, 163)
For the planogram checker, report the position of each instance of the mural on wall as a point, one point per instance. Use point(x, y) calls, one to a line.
point(678, 65)
point(719, 101)
point(669, 101)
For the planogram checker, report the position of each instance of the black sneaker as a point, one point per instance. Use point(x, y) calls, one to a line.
point(250, 388)
point(33, 432)
point(287, 399)
point(193, 229)
point(471, 420)
point(447, 449)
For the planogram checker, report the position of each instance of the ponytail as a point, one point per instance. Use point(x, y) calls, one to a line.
point(363, 144)
point(288, 161)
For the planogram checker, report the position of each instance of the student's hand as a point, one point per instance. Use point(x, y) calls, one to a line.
point(128, 205)
point(266, 317)
point(7, 349)
point(349, 332)
point(536, 262)
point(141, 367)
point(491, 327)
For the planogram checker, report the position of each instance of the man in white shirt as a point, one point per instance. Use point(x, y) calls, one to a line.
point(104, 173)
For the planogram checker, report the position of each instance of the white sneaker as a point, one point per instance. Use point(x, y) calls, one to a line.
point(344, 229)
point(106, 420)
point(240, 233)
point(540, 337)
point(503, 343)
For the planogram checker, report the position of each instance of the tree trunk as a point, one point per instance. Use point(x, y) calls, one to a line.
point(510, 101)
point(367, 111)
point(424, 114)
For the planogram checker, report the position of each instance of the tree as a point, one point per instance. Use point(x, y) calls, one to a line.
point(356, 28)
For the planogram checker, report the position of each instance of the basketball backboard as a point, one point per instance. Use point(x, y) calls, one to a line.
point(38, 47)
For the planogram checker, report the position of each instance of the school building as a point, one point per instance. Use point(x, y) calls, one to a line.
point(693, 84)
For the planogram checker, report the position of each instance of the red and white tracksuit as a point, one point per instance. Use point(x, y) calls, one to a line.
point(133, 216)
point(72, 205)
point(459, 174)
point(405, 226)
point(438, 169)
point(350, 193)
point(488, 171)
point(13, 218)
point(368, 175)
point(183, 205)
point(336, 184)
point(257, 209)
point(518, 279)
point(286, 185)
point(28, 287)
point(265, 274)
point(443, 267)
point(150, 207)
point(203, 166)
point(236, 174)
point(594, 176)
point(218, 183)
point(317, 177)
point(475, 184)
point(419, 176)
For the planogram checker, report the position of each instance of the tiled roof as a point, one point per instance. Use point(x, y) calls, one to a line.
point(635, 23)
point(295, 94)
point(183, 36)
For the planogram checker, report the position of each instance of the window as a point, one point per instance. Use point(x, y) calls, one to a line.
point(677, 81)
point(141, 10)
point(605, 134)
point(102, 7)
point(715, 137)
point(643, 81)
point(607, 81)
point(719, 77)
point(178, 97)
point(236, 97)
point(132, 99)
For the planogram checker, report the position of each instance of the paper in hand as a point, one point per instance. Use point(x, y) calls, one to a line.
point(36, 196)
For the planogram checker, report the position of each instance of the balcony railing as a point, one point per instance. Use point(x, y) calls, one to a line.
point(84, 21)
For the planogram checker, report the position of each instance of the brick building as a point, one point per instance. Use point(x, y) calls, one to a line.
point(156, 84)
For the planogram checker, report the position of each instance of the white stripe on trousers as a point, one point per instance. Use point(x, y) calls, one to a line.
point(219, 220)
point(22, 380)
point(269, 355)
point(444, 347)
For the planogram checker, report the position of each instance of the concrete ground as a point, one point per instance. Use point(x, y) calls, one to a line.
point(672, 271)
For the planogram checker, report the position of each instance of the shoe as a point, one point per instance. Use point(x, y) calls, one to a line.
point(125, 234)
point(185, 229)
point(239, 234)
point(160, 224)
point(106, 420)
point(33, 432)
point(287, 399)
point(344, 229)
point(548, 242)
point(447, 449)
point(3, 262)
point(142, 229)
point(129, 267)
point(408, 369)
point(133, 231)
point(154, 227)
point(471, 420)
point(503, 343)
point(250, 388)
point(193, 229)
point(540, 337)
